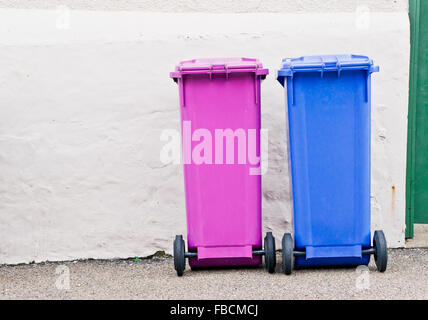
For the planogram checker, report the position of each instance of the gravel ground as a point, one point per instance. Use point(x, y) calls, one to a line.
point(405, 278)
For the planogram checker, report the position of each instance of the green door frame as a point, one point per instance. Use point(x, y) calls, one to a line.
point(414, 12)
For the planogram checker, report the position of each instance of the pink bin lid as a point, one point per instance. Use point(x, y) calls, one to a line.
point(218, 65)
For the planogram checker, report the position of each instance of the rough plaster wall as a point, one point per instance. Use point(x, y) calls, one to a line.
point(218, 6)
point(81, 112)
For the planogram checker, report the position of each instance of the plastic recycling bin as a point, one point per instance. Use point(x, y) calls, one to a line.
point(328, 108)
point(220, 126)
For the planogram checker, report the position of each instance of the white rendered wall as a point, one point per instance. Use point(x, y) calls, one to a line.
point(82, 110)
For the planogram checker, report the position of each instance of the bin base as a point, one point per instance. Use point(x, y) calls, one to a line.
point(332, 261)
point(225, 262)
point(225, 256)
point(333, 256)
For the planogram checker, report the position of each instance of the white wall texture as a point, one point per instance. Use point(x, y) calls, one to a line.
point(82, 109)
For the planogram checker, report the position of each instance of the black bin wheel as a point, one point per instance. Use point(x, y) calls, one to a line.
point(270, 253)
point(287, 253)
point(381, 252)
point(179, 259)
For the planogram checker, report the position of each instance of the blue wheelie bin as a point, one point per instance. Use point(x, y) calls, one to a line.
point(328, 109)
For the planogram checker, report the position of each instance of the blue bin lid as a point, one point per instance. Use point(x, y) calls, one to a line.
point(324, 63)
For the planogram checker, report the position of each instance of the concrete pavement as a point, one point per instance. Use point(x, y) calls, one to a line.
point(405, 278)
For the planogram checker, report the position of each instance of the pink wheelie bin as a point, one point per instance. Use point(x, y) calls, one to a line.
point(220, 127)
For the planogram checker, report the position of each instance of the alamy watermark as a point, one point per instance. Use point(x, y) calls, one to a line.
point(362, 18)
point(362, 282)
point(216, 147)
point(62, 21)
point(63, 280)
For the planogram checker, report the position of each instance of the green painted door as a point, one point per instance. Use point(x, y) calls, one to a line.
point(417, 147)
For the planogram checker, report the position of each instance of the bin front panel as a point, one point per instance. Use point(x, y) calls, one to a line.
point(329, 136)
point(223, 201)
